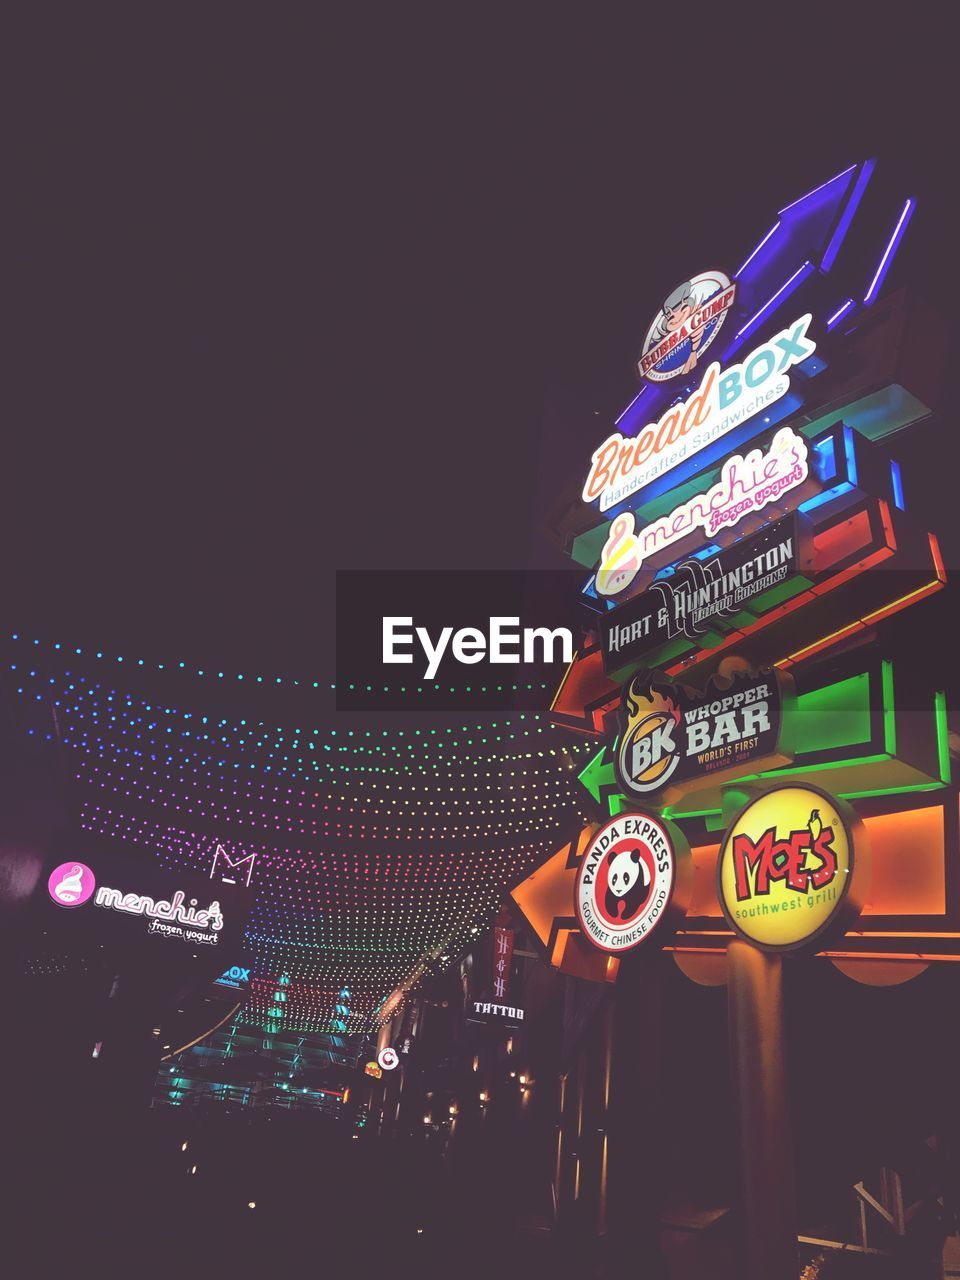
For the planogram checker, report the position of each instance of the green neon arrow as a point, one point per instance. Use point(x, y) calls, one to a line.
point(598, 774)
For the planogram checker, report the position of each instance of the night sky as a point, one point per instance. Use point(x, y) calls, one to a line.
point(265, 278)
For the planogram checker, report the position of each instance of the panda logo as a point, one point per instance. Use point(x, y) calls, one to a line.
point(628, 883)
point(626, 879)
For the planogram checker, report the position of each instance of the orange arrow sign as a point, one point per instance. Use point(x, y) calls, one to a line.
point(545, 900)
point(585, 695)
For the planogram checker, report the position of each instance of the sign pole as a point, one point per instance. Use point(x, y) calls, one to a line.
point(635, 1124)
point(759, 1078)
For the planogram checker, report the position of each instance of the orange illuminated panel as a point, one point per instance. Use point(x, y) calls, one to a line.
point(584, 695)
point(580, 959)
point(547, 893)
point(907, 851)
point(703, 898)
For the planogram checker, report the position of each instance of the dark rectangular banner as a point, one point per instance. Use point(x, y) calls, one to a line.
point(702, 593)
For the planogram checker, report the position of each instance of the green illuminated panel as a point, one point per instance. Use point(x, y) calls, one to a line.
point(838, 715)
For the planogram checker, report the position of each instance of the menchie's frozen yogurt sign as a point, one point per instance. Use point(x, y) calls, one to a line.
point(746, 485)
point(73, 884)
point(725, 399)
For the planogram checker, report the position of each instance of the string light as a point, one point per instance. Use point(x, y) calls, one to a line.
point(380, 853)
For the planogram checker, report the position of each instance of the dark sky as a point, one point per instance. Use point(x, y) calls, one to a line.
point(287, 296)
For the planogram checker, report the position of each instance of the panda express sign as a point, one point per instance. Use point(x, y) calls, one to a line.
point(634, 877)
point(671, 738)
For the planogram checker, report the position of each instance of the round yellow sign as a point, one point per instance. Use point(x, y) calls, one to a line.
point(786, 866)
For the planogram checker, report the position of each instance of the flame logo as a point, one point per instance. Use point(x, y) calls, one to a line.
point(650, 749)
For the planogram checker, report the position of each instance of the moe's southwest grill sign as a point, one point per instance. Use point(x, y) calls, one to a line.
point(671, 738)
point(786, 868)
point(725, 398)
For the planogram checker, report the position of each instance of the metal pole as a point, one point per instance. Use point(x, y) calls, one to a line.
point(758, 1071)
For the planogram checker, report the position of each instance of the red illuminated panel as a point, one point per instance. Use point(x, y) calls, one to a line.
point(841, 540)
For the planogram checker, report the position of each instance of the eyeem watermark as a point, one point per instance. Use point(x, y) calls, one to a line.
point(505, 641)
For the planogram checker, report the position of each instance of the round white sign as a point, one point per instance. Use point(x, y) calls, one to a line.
point(626, 881)
point(387, 1058)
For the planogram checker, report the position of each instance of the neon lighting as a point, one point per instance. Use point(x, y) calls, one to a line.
point(231, 865)
point(200, 922)
point(937, 557)
point(889, 713)
point(850, 450)
point(71, 884)
point(826, 451)
point(740, 270)
point(725, 399)
point(838, 315)
point(828, 495)
point(617, 421)
point(943, 736)
point(888, 253)
point(846, 217)
point(785, 289)
point(829, 182)
point(896, 481)
point(761, 477)
point(878, 615)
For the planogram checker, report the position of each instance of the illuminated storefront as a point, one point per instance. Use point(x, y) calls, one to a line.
point(748, 679)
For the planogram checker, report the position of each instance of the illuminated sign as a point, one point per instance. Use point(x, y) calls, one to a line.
point(685, 325)
point(671, 739)
point(236, 976)
point(701, 594)
point(628, 879)
point(387, 1058)
point(488, 1011)
point(725, 399)
point(373, 1069)
point(786, 867)
point(746, 485)
point(502, 957)
point(72, 884)
point(230, 865)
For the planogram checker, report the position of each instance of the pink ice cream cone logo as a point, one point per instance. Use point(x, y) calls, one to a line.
point(71, 884)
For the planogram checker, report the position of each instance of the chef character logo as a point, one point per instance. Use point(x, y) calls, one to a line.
point(650, 744)
point(685, 326)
